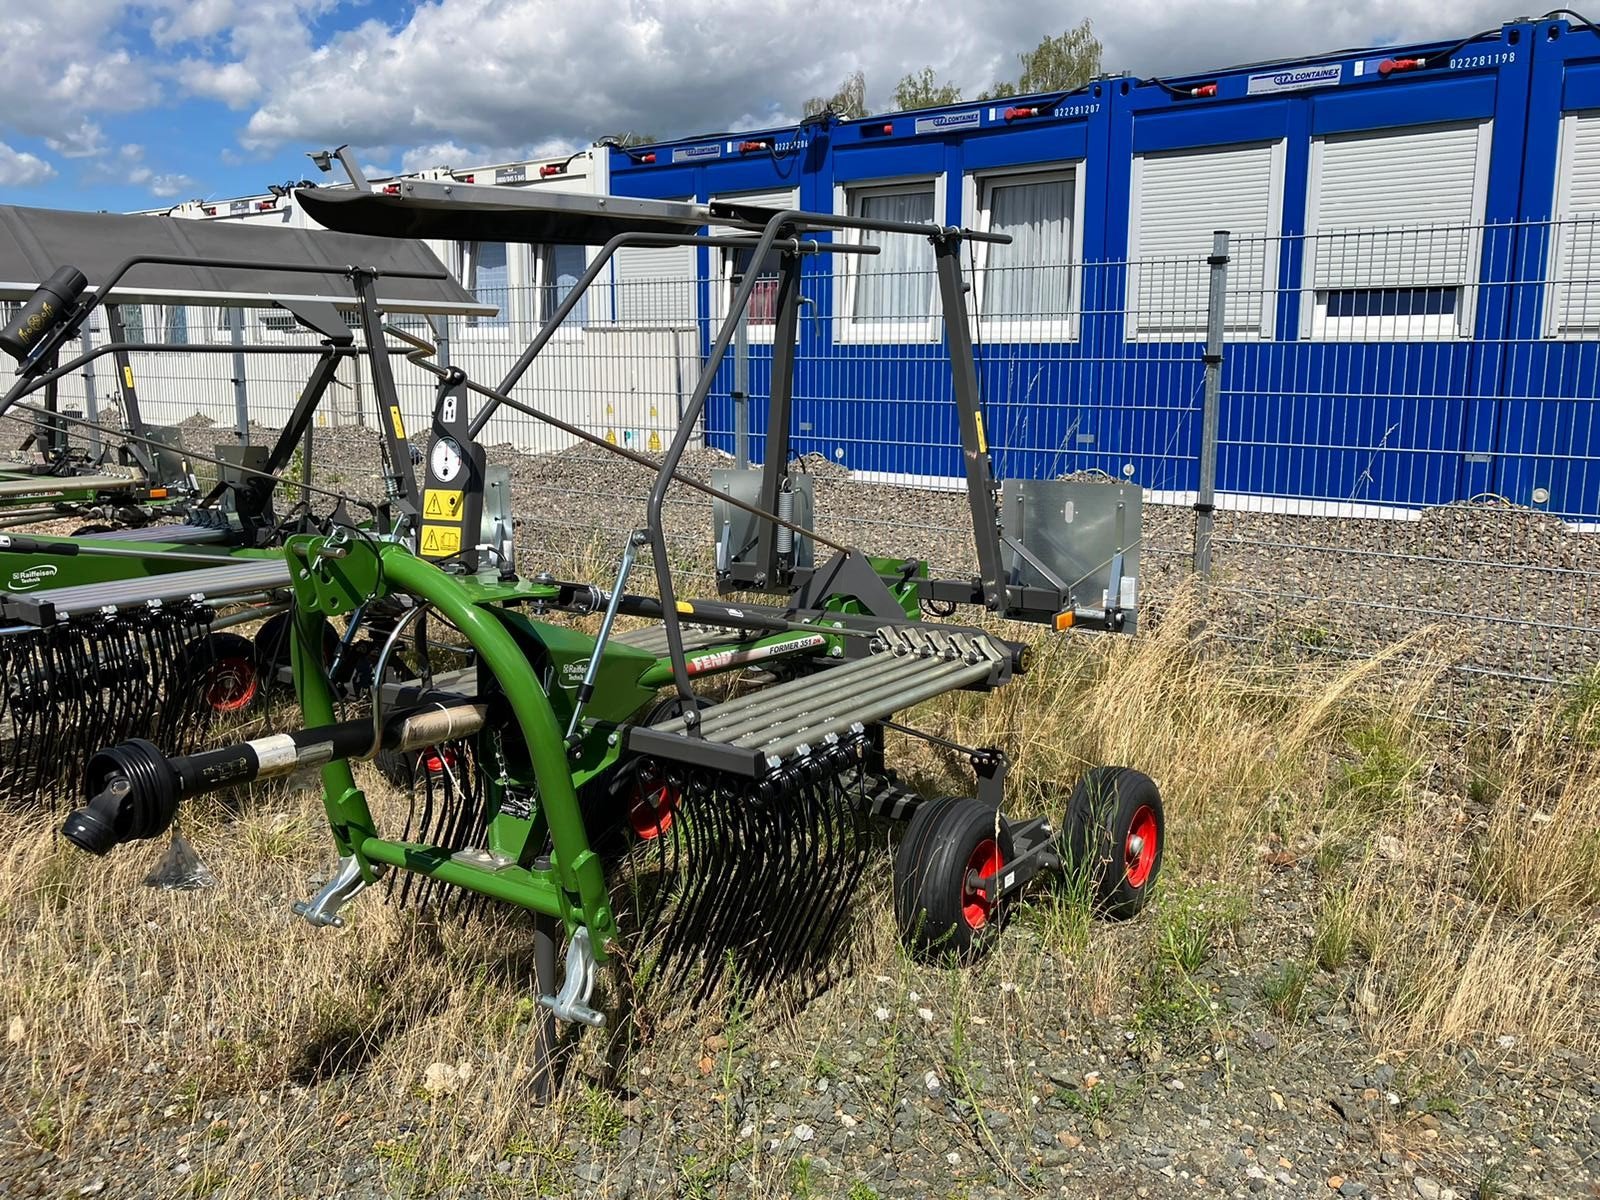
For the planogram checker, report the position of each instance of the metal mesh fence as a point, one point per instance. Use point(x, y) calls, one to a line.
point(1396, 428)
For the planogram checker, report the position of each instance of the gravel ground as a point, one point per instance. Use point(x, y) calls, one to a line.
point(915, 1082)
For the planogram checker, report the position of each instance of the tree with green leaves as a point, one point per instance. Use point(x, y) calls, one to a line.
point(1057, 64)
point(920, 90)
point(848, 102)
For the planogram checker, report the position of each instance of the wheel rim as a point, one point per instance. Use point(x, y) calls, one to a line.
point(438, 762)
point(652, 811)
point(231, 684)
point(977, 899)
point(1139, 851)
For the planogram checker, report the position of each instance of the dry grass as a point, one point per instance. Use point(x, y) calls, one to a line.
point(1460, 912)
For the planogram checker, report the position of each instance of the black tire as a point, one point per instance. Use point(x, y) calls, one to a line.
point(1116, 833)
point(397, 767)
point(272, 646)
point(939, 915)
point(229, 681)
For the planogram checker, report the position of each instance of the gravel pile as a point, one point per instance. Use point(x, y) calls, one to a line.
point(1514, 594)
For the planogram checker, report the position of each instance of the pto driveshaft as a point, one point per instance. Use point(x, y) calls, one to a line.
point(134, 789)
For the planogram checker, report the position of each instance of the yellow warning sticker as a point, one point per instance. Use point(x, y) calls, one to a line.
point(440, 541)
point(399, 425)
point(983, 442)
point(441, 505)
point(127, 376)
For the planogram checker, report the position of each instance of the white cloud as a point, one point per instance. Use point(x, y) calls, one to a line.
point(159, 183)
point(512, 72)
point(435, 154)
point(453, 82)
point(18, 168)
point(167, 186)
point(88, 140)
point(191, 20)
point(66, 61)
point(233, 83)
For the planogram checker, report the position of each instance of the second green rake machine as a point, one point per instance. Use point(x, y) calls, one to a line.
point(136, 631)
point(595, 778)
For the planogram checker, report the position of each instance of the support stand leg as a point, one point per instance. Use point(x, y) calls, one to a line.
point(545, 930)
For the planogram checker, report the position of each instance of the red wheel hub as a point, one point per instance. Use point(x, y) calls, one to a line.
point(231, 684)
point(977, 886)
point(436, 761)
point(652, 810)
point(1139, 851)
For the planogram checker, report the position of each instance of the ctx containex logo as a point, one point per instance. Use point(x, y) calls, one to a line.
point(32, 577)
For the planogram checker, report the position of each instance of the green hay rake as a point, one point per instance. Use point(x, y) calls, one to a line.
point(590, 777)
point(124, 632)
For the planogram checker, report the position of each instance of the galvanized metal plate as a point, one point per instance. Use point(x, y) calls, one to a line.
point(1078, 529)
point(738, 530)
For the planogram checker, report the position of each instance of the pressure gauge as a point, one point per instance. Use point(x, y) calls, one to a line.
point(446, 459)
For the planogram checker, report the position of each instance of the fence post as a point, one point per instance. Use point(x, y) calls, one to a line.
point(441, 339)
point(741, 384)
point(91, 402)
point(241, 393)
point(1206, 495)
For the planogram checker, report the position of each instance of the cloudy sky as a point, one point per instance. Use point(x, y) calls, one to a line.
point(105, 104)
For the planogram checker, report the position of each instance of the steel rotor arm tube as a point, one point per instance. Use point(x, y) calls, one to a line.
point(832, 687)
point(889, 699)
point(134, 789)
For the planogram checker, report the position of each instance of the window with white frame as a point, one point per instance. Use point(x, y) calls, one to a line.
point(1393, 232)
point(732, 264)
point(655, 286)
point(1180, 198)
point(132, 322)
point(890, 295)
point(1572, 303)
point(1028, 287)
point(174, 323)
point(485, 271)
point(557, 270)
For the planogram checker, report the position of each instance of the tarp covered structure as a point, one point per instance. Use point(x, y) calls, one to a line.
point(34, 242)
point(483, 213)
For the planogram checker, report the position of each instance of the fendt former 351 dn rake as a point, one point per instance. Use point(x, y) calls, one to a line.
point(594, 778)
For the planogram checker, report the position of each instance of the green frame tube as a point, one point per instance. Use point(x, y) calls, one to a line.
point(574, 887)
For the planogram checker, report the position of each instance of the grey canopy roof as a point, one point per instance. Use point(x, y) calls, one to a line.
point(485, 213)
point(34, 242)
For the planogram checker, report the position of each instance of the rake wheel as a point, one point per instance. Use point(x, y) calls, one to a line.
point(1115, 830)
point(945, 871)
point(230, 681)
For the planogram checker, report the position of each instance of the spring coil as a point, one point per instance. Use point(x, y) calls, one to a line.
point(785, 538)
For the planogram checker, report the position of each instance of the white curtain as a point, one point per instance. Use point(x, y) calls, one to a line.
point(176, 325)
point(1031, 278)
point(896, 284)
point(564, 266)
point(490, 280)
